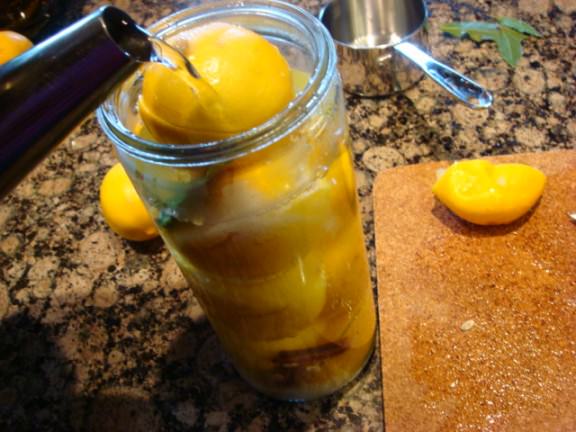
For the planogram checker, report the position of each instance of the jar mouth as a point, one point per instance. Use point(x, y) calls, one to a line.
point(274, 129)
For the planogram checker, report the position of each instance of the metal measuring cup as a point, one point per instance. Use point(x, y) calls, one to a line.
point(379, 49)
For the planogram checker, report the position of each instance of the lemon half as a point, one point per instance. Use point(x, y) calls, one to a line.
point(489, 194)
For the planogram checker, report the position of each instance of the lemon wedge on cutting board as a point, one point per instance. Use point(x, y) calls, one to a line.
point(484, 193)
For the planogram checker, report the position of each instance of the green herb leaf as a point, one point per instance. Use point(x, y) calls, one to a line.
point(453, 28)
point(483, 35)
point(481, 30)
point(182, 195)
point(508, 34)
point(519, 26)
point(164, 218)
point(166, 215)
point(510, 45)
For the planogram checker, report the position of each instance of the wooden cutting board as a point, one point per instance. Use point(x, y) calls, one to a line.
point(477, 324)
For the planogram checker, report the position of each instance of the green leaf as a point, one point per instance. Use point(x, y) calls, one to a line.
point(508, 34)
point(477, 30)
point(455, 29)
point(487, 34)
point(519, 26)
point(164, 218)
point(166, 215)
point(510, 45)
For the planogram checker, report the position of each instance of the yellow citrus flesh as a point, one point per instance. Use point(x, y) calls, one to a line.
point(245, 81)
point(122, 208)
point(489, 194)
point(235, 249)
point(12, 44)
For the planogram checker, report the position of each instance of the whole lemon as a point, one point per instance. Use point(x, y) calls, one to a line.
point(12, 44)
point(122, 208)
point(245, 81)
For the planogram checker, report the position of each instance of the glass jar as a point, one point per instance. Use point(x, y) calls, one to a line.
point(265, 225)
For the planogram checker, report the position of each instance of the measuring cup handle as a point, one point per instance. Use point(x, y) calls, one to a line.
point(468, 91)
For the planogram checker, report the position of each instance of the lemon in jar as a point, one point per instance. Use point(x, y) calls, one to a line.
point(244, 82)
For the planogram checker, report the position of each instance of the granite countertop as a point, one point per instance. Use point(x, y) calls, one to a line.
point(101, 334)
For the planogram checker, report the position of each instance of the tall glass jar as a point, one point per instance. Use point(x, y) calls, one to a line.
point(265, 225)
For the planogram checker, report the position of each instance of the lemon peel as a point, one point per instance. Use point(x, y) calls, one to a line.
point(12, 44)
point(123, 209)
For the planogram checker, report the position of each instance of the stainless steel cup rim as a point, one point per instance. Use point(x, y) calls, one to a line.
point(324, 10)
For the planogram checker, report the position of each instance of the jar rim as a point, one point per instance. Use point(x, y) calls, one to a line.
point(257, 138)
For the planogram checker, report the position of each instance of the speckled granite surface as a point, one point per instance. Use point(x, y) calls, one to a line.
point(100, 334)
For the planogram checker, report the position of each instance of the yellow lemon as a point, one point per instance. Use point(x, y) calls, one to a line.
point(122, 208)
point(489, 194)
point(12, 44)
point(245, 81)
